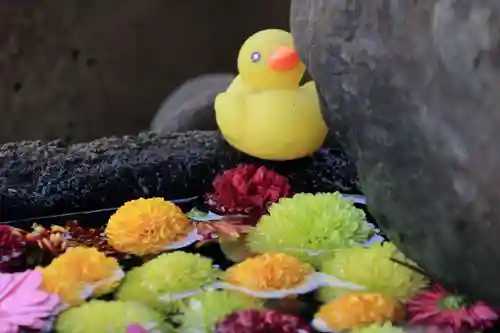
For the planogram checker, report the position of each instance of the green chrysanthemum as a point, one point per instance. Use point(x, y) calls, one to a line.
point(101, 316)
point(164, 281)
point(202, 312)
point(373, 268)
point(310, 226)
point(377, 328)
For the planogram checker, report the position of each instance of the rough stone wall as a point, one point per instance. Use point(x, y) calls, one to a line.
point(81, 69)
point(411, 88)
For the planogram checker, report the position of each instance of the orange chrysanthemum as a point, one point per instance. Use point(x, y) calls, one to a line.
point(270, 271)
point(147, 226)
point(357, 310)
point(79, 273)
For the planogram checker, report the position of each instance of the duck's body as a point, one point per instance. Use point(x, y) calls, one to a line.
point(285, 117)
point(268, 115)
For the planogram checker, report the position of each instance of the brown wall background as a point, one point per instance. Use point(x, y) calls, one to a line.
point(81, 69)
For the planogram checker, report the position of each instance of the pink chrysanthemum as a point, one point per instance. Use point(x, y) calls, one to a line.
point(247, 189)
point(23, 304)
point(447, 313)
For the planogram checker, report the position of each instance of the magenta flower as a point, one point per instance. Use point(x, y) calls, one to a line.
point(256, 321)
point(247, 189)
point(441, 311)
point(22, 303)
point(136, 328)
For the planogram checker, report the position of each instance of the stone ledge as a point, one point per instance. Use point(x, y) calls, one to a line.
point(43, 178)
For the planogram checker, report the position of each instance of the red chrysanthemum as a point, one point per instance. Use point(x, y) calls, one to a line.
point(256, 321)
point(12, 246)
point(90, 237)
point(447, 313)
point(247, 189)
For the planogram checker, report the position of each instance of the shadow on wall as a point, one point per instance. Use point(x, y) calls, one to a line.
point(83, 69)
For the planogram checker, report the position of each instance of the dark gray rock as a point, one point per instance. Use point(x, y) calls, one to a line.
point(191, 106)
point(412, 89)
point(45, 178)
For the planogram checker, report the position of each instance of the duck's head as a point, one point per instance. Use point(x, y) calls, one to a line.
point(268, 60)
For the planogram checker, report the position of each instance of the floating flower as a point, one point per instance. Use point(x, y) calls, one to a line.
point(449, 313)
point(166, 279)
point(23, 304)
point(380, 328)
point(114, 316)
point(247, 189)
point(261, 321)
point(53, 240)
point(270, 271)
point(57, 239)
point(89, 237)
point(276, 275)
point(229, 231)
point(149, 226)
point(310, 226)
point(373, 267)
point(80, 273)
point(203, 311)
point(357, 310)
point(136, 328)
point(235, 250)
point(227, 228)
point(12, 246)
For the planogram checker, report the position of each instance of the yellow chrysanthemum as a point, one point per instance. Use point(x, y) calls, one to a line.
point(375, 268)
point(99, 317)
point(174, 275)
point(270, 271)
point(79, 273)
point(380, 328)
point(147, 226)
point(310, 227)
point(356, 310)
point(201, 313)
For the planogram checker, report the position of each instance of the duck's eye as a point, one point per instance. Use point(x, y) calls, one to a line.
point(255, 56)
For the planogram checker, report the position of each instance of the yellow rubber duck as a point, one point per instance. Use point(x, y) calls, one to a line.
point(264, 112)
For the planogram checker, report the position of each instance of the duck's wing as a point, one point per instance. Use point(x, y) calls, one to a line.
point(238, 86)
point(309, 88)
point(229, 112)
point(286, 123)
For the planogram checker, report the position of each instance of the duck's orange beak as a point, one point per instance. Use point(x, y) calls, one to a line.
point(283, 59)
